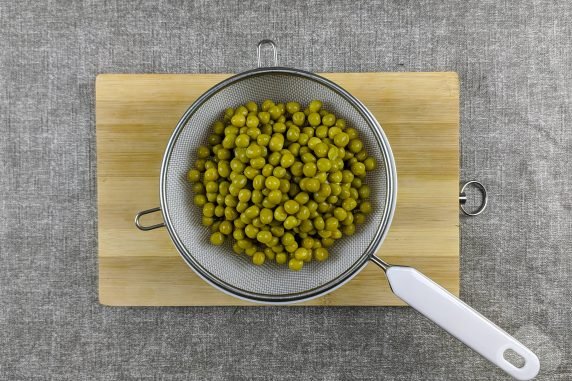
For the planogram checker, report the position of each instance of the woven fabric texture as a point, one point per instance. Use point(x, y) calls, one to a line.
point(514, 60)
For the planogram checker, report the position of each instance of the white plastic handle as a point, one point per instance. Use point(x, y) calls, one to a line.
point(461, 321)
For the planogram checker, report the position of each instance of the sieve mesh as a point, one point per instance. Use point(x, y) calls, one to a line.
point(219, 264)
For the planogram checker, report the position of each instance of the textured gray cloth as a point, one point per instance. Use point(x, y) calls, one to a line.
point(514, 61)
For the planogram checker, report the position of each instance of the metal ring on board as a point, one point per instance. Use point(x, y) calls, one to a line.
point(274, 50)
point(463, 198)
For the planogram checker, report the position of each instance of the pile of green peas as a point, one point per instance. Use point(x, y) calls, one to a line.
point(283, 181)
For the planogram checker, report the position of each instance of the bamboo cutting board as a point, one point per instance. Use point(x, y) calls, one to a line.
point(135, 115)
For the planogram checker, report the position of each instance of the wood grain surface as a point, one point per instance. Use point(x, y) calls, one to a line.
point(135, 115)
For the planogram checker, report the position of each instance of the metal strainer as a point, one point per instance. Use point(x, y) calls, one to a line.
point(274, 284)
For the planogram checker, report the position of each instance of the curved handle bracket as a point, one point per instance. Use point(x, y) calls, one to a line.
point(144, 212)
point(259, 50)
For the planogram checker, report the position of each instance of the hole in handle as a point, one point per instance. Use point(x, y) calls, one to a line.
point(514, 358)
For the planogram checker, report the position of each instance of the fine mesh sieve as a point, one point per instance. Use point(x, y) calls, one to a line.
point(271, 283)
point(234, 273)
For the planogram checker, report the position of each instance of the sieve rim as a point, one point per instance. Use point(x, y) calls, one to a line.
point(351, 271)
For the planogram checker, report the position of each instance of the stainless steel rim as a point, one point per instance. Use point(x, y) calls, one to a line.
point(369, 253)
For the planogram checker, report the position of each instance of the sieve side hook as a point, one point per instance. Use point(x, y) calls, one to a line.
point(144, 212)
point(463, 198)
point(274, 50)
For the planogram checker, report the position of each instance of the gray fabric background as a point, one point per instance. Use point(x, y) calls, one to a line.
point(514, 61)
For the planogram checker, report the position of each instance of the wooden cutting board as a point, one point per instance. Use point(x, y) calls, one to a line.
point(135, 115)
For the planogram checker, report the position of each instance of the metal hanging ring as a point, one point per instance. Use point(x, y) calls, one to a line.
point(463, 198)
point(274, 50)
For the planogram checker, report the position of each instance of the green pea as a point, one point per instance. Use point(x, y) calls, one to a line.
point(241, 206)
point(340, 213)
point(230, 200)
point(320, 254)
point(264, 236)
point(365, 207)
point(252, 211)
point(357, 182)
point(297, 168)
point(359, 218)
point(349, 229)
point(274, 112)
point(276, 143)
point(272, 183)
point(219, 210)
point(253, 151)
point(313, 142)
point(358, 169)
point(364, 191)
point(280, 214)
point(225, 227)
point(263, 140)
point(252, 121)
point(349, 219)
point(321, 150)
point(314, 119)
point(211, 197)
point(324, 165)
point(370, 163)
point(347, 176)
point(266, 216)
point(301, 254)
point(349, 204)
point(325, 190)
point(217, 238)
point(218, 126)
point(355, 145)
point(329, 120)
point(323, 207)
point(303, 213)
point(266, 104)
point(214, 139)
point(251, 173)
point(293, 107)
point(322, 132)
point(251, 231)
point(257, 162)
point(309, 169)
point(295, 264)
point(207, 221)
point(211, 174)
point(203, 152)
point(298, 118)
point(274, 196)
point(230, 213)
point(342, 139)
point(290, 222)
point(287, 160)
point(292, 134)
point(258, 182)
point(264, 117)
point(242, 141)
point(312, 185)
point(279, 172)
point(198, 188)
point(223, 154)
point(238, 120)
point(291, 207)
point(256, 196)
point(194, 176)
point(281, 258)
point(315, 106)
point(361, 155)
point(200, 200)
